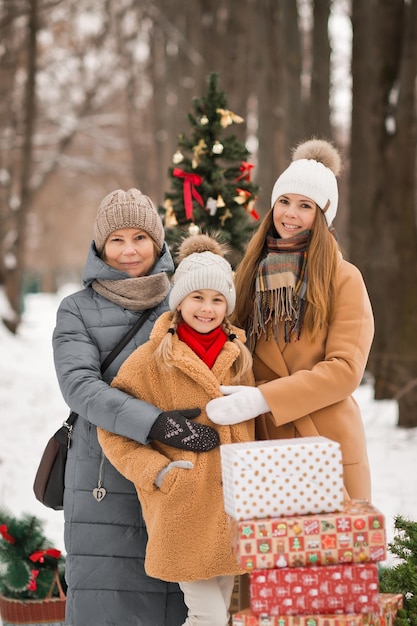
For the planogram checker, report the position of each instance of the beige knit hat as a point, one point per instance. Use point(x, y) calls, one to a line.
point(312, 173)
point(127, 209)
point(202, 266)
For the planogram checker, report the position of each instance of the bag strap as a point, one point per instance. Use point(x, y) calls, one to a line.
point(113, 354)
point(125, 340)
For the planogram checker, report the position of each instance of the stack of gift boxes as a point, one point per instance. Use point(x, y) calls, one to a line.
point(311, 554)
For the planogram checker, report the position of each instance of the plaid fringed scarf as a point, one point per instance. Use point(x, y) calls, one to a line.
point(281, 287)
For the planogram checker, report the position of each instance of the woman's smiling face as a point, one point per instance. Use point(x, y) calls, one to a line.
point(130, 250)
point(292, 214)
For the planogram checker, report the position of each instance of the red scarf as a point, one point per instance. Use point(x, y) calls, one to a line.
point(206, 345)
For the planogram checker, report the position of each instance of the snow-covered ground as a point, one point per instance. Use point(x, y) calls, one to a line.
point(31, 408)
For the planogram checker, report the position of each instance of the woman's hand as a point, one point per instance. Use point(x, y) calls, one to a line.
point(238, 404)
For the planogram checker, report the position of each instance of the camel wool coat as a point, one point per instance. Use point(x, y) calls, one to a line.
point(309, 385)
point(188, 534)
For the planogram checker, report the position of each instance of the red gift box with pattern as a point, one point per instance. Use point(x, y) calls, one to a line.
point(247, 618)
point(389, 603)
point(354, 535)
point(313, 590)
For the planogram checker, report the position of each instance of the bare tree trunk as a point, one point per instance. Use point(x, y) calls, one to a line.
point(174, 75)
point(8, 69)
point(273, 78)
point(383, 188)
point(292, 55)
point(14, 275)
point(365, 146)
point(318, 116)
point(398, 200)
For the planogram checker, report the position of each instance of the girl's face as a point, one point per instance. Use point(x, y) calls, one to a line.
point(130, 250)
point(203, 310)
point(292, 214)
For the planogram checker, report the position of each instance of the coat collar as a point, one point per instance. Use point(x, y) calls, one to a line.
point(188, 362)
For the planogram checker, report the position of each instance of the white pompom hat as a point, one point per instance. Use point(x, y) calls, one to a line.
point(312, 173)
point(202, 266)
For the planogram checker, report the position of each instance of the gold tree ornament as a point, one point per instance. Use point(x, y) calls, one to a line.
point(198, 151)
point(226, 215)
point(246, 200)
point(242, 197)
point(204, 120)
point(170, 219)
point(220, 203)
point(228, 117)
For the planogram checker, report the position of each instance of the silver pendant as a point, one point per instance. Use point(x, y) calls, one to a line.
point(99, 493)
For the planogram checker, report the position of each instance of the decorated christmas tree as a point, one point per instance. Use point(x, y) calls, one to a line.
point(402, 577)
point(211, 177)
point(30, 567)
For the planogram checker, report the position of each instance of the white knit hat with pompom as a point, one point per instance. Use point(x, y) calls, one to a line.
point(312, 173)
point(202, 266)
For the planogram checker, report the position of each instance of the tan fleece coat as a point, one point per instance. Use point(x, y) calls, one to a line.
point(309, 385)
point(187, 526)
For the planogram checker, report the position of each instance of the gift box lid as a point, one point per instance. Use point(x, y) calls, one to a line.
point(282, 477)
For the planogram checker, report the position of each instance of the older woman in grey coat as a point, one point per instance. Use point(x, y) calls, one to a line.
point(126, 274)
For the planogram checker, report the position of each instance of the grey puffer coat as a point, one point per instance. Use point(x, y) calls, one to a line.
point(105, 537)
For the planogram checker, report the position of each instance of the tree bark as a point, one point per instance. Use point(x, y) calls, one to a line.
point(14, 273)
point(318, 116)
point(383, 189)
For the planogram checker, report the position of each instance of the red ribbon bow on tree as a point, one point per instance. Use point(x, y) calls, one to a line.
point(39, 555)
point(189, 190)
point(4, 533)
point(245, 168)
point(32, 585)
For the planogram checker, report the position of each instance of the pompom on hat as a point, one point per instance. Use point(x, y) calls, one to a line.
point(202, 266)
point(127, 209)
point(312, 173)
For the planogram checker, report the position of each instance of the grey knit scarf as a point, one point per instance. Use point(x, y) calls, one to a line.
point(135, 294)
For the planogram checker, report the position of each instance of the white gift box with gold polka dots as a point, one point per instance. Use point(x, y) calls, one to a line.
point(282, 477)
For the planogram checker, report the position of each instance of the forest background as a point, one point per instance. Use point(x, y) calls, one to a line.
point(94, 94)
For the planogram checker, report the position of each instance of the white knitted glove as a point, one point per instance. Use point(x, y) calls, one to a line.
point(164, 471)
point(239, 404)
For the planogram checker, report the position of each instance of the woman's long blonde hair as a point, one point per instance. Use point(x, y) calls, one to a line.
point(321, 287)
point(164, 352)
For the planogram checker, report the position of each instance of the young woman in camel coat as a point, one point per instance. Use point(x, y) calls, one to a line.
point(308, 318)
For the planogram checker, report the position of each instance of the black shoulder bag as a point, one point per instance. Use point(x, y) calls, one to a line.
point(49, 480)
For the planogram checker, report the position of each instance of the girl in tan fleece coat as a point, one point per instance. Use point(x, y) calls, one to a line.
point(308, 318)
point(192, 351)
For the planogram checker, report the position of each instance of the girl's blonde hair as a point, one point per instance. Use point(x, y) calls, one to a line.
point(321, 286)
point(164, 352)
